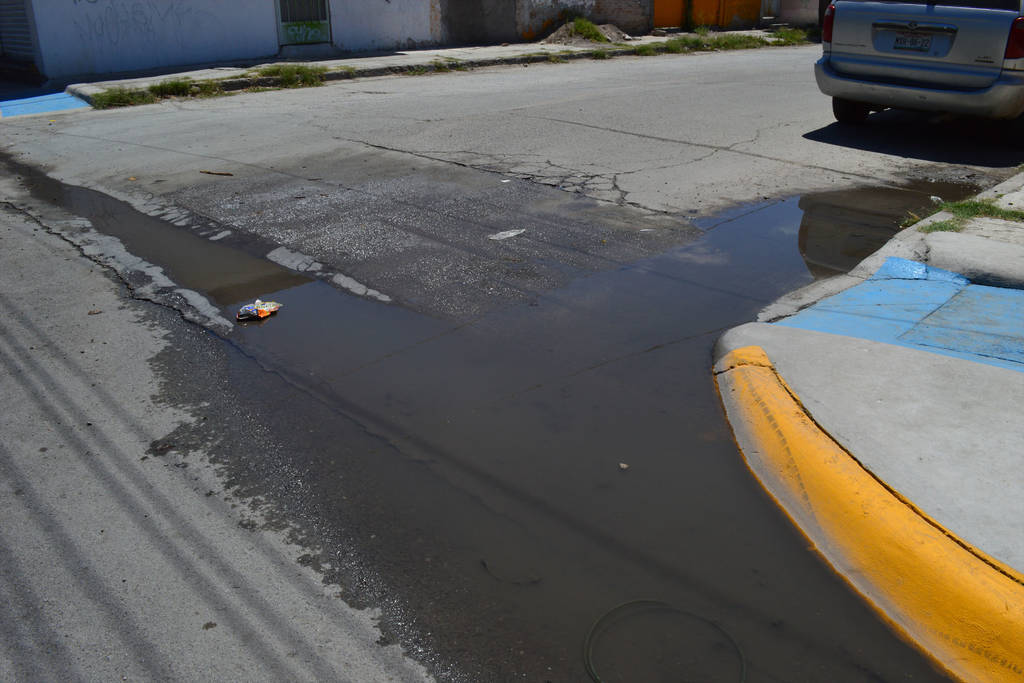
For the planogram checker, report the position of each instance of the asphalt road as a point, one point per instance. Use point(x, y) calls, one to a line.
point(486, 407)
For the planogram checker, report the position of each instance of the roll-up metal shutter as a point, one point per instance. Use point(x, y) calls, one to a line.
point(15, 32)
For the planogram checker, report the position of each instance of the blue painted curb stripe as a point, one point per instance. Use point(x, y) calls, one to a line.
point(41, 104)
point(910, 304)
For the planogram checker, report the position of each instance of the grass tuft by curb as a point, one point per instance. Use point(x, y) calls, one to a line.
point(295, 75)
point(599, 54)
point(122, 97)
point(446, 65)
point(179, 87)
point(967, 209)
point(981, 208)
point(942, 226)
point(711, 42)
point(790, 36)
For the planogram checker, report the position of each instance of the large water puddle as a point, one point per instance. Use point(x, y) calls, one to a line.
point(572, 452)
point(840, 228)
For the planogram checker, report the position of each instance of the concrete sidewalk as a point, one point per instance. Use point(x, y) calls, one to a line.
point(882, 412)
point(368, 65)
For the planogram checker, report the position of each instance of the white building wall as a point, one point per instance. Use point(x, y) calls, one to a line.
point(78, 37)
point(363, 25)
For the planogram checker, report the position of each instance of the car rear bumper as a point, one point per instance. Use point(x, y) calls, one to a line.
point(1004, 99)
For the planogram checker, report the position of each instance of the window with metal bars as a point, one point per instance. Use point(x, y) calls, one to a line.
point(303, 10)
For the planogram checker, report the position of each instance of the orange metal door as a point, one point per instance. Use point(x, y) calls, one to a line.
point(705, 13)
point(739, 13)
point(668, 13)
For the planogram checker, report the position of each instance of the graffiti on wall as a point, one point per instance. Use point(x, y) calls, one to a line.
point(106, 24)
point(303, 32)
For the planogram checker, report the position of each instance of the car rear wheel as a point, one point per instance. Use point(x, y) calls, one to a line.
point(848, 111)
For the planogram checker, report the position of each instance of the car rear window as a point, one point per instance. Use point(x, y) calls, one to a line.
point(1011, 5)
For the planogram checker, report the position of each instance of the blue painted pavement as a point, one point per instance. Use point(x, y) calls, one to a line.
point(914, 305)
point(40, 104)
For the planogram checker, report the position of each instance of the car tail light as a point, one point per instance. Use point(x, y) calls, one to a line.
point(830, 18)
point(1015, 43)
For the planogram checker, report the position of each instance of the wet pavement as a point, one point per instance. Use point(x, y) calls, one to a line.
point(499, 481)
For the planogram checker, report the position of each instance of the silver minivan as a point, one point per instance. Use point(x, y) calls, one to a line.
point(957, 56)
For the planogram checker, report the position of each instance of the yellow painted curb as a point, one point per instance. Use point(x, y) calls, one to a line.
point(960, 607)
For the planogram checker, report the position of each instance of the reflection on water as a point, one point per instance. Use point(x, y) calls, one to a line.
point(841, 228)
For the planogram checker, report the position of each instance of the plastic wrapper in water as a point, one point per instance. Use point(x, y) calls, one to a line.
point(257, 310)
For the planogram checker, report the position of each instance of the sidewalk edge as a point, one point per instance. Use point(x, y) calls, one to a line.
point(961, 608)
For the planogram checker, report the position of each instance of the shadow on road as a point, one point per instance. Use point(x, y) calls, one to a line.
point(931, 137)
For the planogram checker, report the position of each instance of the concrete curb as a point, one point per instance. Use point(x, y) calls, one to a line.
point(88, 91)
point(430, 62)
point(960, 607)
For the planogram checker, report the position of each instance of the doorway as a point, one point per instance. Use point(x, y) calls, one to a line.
point(303, 22)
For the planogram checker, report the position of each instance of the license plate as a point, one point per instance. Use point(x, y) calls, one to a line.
point(916, 42)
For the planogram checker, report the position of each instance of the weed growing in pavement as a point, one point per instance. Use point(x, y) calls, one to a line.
point(556, 58)
point(122, 97)
point(789, 36)
point(444, 65)
point(206, 89)
point(295, 75)
point(735, 41)
point(418, 70)
point(702, 31)
point(718, 41)
point(585, 28)
point(981, 208)
point(648, 50)
point(599, 54)
point(965, 210)
point(179, 87)
point(942, 226)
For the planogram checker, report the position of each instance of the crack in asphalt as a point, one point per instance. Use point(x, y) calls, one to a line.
point(567, 179)
point(704, 145)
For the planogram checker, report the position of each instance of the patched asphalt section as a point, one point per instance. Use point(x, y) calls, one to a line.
point(422, 231)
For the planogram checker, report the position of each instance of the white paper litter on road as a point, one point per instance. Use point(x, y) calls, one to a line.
point(505, 235)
